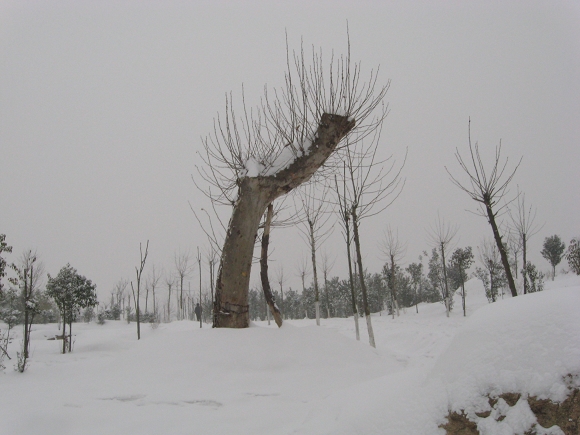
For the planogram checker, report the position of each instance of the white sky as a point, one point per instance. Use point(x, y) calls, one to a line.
point(103, 106)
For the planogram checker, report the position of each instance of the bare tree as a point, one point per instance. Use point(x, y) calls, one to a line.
point(394, 250)
point(269, 151)
point(136, 294)
point(169, 282)
point(152, 284)
point(327, 265)
point(344, 209)
point(281, 280)
point(488, 189)
point(184, 268)
point(372, 186)
point(441, 236)
point(523, 221)
point(199, 267)
point(314, 209)
point(302, 269)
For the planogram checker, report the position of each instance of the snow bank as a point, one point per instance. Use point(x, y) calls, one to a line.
point(522, 345)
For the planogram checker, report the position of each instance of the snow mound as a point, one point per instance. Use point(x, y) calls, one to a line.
point(525, 345)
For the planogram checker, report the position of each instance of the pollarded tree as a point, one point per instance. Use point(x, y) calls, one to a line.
point(70, 292)
point(253, 160)
point(488, 188)
point(553, 251)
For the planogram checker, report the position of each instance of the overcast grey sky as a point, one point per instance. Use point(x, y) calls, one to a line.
point(103, 106)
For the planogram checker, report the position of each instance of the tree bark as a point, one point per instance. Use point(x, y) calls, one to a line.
point(264, 269)
point(231, 308)
point(502, 251)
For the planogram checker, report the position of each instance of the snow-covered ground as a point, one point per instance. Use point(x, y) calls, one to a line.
point(300, 379)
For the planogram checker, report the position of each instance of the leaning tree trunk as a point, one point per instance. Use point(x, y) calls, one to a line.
point(502, 251)
point(231, 309)
point(264, 269)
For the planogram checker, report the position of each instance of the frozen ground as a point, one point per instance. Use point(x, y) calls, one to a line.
point(300, 379)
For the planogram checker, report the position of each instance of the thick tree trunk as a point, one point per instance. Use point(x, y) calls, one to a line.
point(502, 251)
point(264, 268)
point(254, 195)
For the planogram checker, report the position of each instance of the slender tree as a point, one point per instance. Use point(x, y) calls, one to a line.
point(137, 293)
point(183, 268)
point(394, 250)
point(344, 209)
point(488, 189)
point(441, 236)
point(553, 251)
point(314, 229)
point(524, 224)
point(302, 270)
point(372, 186)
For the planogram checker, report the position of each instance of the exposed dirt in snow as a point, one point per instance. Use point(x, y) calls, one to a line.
point(552, 417)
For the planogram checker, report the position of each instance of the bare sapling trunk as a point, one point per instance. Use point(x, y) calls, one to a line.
point(502, 251)
point(231, 309)
point(394, 286)
point(362, 280)
point(445, 281)
point(264, 268)
point(314, 273)
point(351, 282)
